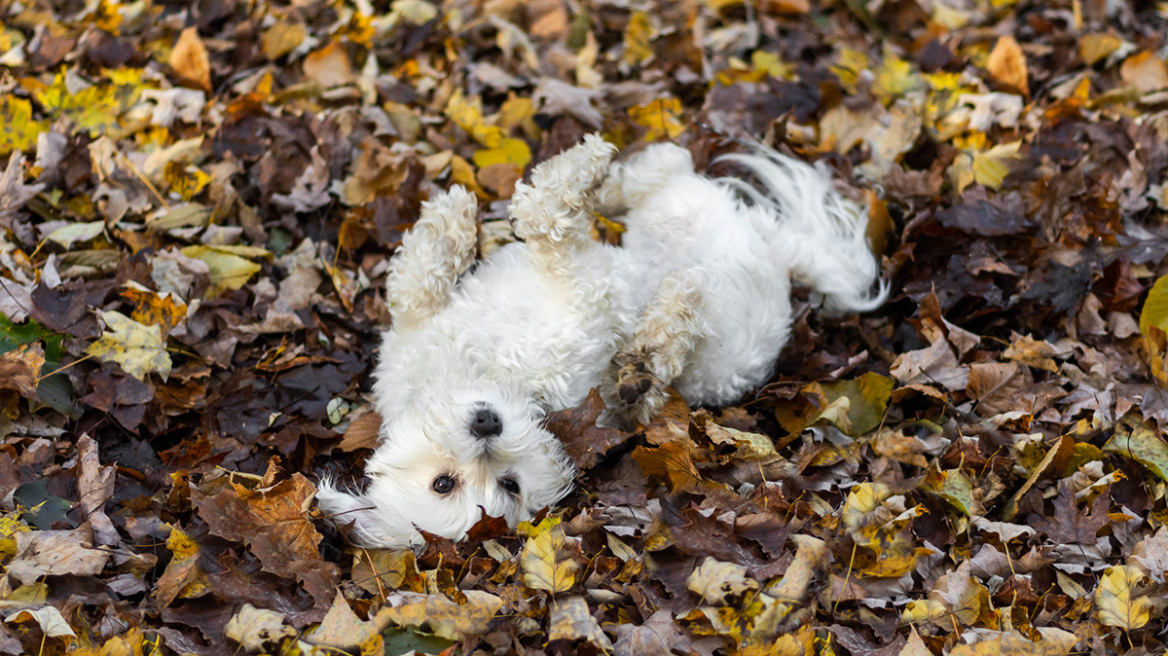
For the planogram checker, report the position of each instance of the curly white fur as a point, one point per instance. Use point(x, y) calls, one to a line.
point(696, 298)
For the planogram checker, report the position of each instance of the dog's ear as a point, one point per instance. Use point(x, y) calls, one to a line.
point(351, 513)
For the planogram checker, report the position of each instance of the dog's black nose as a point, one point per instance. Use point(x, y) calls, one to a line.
point(486, 423)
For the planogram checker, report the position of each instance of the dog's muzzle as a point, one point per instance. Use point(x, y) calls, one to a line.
point(485, 423)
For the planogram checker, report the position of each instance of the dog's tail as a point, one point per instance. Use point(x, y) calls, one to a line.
point(823, 236)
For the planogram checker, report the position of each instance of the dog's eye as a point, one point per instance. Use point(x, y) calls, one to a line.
point(510, 484)
point(443, 484)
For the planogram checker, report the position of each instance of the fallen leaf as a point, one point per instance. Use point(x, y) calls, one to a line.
point(139, 349)
point(1117, 602)
point(56, 553)
point(255, 627)
point(570, 619)
point(330, 66)
point(715, 581)
point(444, 617)
point(1146, 71)
point(190, 61)
point(1007, 65)
point(545, 562)
point(227, 271)
point(576, 428)
point(1144, 446)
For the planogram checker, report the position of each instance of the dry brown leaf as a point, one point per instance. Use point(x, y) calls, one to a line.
point(1146, 71)
point(329, 66)
point(1007, 65)
point(56, 553)
point(570, 619)
point(190, 61)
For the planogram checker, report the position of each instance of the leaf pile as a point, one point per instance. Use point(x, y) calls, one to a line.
point(198, 200)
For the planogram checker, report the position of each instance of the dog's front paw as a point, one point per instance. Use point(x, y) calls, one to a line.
point(633, 382)
point(636, 394)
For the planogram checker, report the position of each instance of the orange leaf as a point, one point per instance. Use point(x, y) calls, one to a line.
point(1007, 66)
point(189, 59)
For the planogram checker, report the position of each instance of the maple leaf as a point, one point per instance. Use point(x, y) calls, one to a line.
point(576, 428)
point(139, 349)
point(1069, 524)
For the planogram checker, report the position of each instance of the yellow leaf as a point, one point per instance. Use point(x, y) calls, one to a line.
point(153, 309)
point(638, 34)
point(1052, 642)
point(894, 565)
point(461, 172)
point(445, 618)
point(895, 78)
point(468, 115)
point(509, 151)
point(418, 12)
point(867, 399)
point(954, 487)
point(281, 39)
point(189, 59)
point(10, 525)
point(184, 179)
point(228, 271)
point(991, 167)
point(139, 349)
point(18, 130)
point(851, 63)
point(862, 500)
point(545, 564)
point(180, 545)
point(1155, 310)
point(570, 619)
point(94, 108)
point(661, 117)
point(714, 581)
point(1116, 601)
point(1142, 445)
point(1007, 66)
point(772, 65)
point(1093, 47)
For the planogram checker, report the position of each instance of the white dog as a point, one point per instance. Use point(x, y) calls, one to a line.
point(697, 297)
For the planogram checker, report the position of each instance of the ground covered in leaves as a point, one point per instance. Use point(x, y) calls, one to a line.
point(198, 201)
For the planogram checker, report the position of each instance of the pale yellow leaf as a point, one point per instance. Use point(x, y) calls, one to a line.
point(139, 349)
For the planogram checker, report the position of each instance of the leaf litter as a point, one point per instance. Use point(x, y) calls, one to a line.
point(198, 201)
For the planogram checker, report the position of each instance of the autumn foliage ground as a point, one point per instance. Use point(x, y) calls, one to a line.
point(198, 201)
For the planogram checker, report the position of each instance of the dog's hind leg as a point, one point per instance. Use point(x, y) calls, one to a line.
point(665, 338)
point(432, 255)
point(631, 183)
point(553, 213)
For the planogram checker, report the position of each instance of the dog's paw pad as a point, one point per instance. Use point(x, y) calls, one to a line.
point(633, 382)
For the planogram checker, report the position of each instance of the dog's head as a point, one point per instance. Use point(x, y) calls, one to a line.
point(445, 458)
